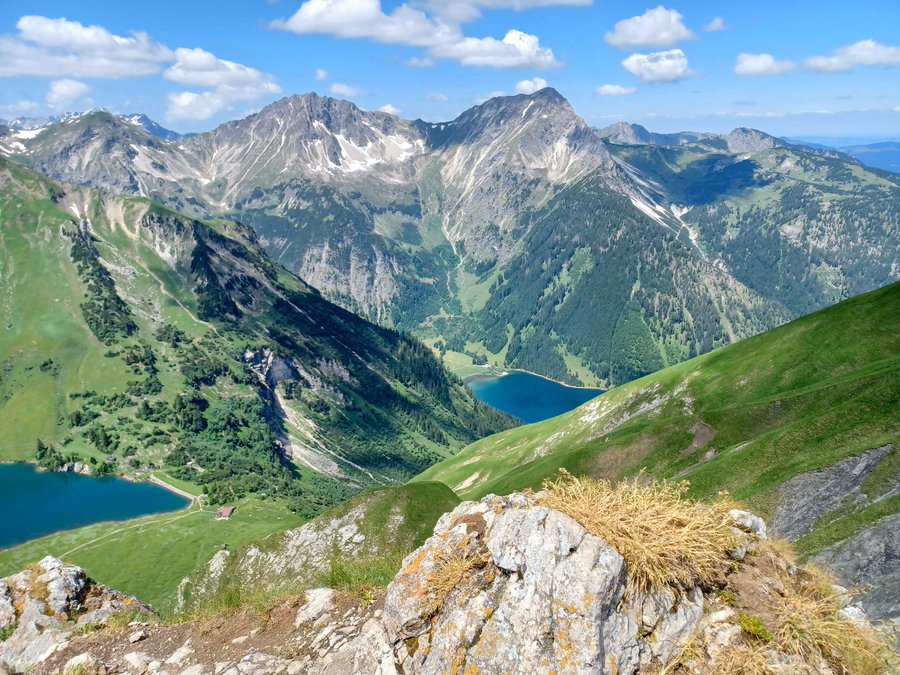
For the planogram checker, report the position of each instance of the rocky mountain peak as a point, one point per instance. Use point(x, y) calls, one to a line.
point(744, 139)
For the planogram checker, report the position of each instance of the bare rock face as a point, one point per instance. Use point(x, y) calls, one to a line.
point(44, 601)
point(542, 595)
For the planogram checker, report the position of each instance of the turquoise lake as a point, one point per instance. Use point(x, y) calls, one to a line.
point(39, 502)
point(529, 397)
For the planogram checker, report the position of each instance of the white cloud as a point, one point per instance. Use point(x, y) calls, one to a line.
point(863, 53)
point(345, 90)
point(516, 50)
point(321, 74)
point(614, 90)
point(436, 97)
point(388, 108)
point(65, 92)
point(232, 82)
point(461, 11)
point(658, 27)
point(188, 105)
point(418, 62)
point(408, 26)
point(669, 66)
point(761, 64)
point(715, 25)
point(21, 108)
point(364, 19)
point(200, 68)
point(59, 48)
point(530, 86)
point(481, 99)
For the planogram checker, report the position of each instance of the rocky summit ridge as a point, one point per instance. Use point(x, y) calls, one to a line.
point(504, 585)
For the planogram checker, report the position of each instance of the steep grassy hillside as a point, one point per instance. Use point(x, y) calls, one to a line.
point(150, 556)
point(136, 333)
point(360, 543)
point(745, 418)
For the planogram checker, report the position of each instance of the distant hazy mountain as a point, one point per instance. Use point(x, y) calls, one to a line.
point(141, 120)
point(635, 134)
point(151, 126)
point(879, 155)
point(516, 233)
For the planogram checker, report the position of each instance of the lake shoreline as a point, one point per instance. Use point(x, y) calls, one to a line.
point(61, 501)
point(528, 396)
point(507, 371)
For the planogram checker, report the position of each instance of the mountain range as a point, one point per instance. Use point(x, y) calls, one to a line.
point(255, 312)
point(516, 234)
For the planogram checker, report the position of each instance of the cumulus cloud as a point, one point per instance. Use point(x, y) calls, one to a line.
point(61, 48)
point(761, 64)
point(408, 26)
point(201, 68)
point(321, 74)
point(65, 92)
point(189, 105)
point(388, 108)
point(669, 66)
point(863, 53)
point(58, 47)
point(516, 50)
point(418, 62)
point(614, 90)
point(866, 53)
point(232, 82)
point(715, 25)
point(341, 89)
point(364, 19)
point(436, 97)
point(530, 86)
point(461, 11)
point(658, 27)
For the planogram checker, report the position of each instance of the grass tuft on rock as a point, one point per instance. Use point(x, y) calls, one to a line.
point(667, 540)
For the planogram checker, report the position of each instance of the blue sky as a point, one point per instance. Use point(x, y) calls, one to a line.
point(823, 69)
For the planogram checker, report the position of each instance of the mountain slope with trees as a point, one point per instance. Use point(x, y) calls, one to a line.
point(137, 338)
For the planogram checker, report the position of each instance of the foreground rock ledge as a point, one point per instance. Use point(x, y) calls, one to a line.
point(536, 594)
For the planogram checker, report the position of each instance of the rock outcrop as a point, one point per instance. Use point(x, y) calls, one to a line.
point(504, 585)
point(46, 602)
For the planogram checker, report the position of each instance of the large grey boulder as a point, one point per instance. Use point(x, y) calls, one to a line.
point(546, 596)
point(44, 600)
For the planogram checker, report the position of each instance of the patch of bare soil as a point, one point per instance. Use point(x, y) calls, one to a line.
point(224, 638)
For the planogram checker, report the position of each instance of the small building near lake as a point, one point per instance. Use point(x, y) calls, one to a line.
point(224, 512)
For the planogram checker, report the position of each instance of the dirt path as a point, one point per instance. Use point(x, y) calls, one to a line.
point(189, 512)
point(172, 488)
point(162, 289)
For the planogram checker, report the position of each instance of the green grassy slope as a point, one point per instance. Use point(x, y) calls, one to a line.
point(366, 536)
point(744, 418)
point(148, 557)
point(170, 343)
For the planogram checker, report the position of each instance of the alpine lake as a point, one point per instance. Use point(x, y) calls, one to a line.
point(529, 397)
point(42, 502)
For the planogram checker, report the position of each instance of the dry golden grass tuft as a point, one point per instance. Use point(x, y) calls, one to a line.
point(810, 626)
point(37, 589)
point(451, 569)
point(746, 660)
point(665, 538)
